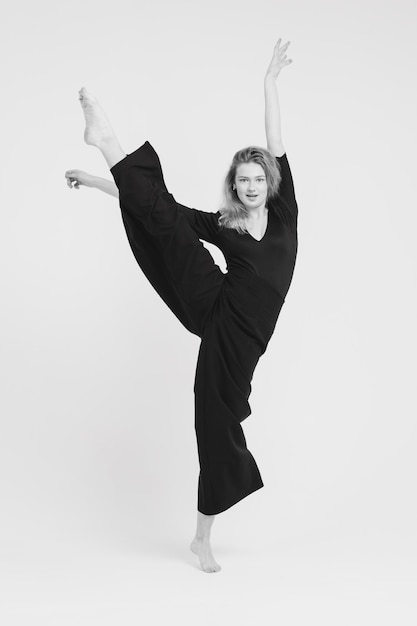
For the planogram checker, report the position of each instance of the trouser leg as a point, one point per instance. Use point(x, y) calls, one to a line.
point(170, 253)
point(226, 362)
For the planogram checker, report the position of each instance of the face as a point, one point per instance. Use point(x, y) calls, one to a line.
point(251, 186)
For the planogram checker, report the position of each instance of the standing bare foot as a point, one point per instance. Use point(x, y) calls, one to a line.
point(201, 544)
point(98, 130)
point(202, 548)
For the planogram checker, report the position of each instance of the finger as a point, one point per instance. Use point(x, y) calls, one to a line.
point(284, 47)
point(279, 52)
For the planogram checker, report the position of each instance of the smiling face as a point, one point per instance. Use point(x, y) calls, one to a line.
point(251, 185)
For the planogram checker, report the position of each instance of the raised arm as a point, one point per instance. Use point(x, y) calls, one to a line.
point(272, 112)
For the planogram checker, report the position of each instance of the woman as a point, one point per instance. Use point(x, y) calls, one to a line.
point(233, 313)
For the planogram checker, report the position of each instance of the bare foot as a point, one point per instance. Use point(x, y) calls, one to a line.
point(98, 129)
point(202, 548)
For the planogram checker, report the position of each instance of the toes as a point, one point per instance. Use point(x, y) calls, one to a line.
point(212, 569)
point(84, 96)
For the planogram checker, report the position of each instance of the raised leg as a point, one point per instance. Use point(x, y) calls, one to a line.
point(150, 208)
point(165, 246)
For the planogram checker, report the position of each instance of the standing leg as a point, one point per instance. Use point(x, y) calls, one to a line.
point(228, 471)
point(226, 363)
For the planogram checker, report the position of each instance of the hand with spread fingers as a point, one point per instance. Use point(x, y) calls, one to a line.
point(279, 59)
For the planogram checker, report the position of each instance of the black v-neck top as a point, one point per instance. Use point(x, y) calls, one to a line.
point(273, 257)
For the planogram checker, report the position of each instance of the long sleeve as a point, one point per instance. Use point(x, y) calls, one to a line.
point(203, 223)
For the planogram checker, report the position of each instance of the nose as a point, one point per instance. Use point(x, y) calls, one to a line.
point(251, 185)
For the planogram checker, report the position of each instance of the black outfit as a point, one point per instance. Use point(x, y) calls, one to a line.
point(234, 314)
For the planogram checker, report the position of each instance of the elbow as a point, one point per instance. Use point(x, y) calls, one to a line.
point(276, 148)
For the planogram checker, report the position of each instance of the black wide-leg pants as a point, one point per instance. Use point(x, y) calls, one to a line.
point(234, 315)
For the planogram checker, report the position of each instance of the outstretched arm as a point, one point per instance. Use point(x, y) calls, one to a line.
point(75, 178)
point(202, 222)
point(272, 112)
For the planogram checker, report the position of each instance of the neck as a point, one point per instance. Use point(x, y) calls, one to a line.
point(258, 213)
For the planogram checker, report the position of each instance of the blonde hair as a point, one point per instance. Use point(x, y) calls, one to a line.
point(233, 214)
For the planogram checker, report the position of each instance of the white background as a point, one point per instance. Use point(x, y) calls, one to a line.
point(98, 459)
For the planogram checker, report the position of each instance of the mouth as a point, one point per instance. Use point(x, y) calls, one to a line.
point(251, 195)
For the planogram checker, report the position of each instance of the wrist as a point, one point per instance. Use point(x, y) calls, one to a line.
point(270, 78)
